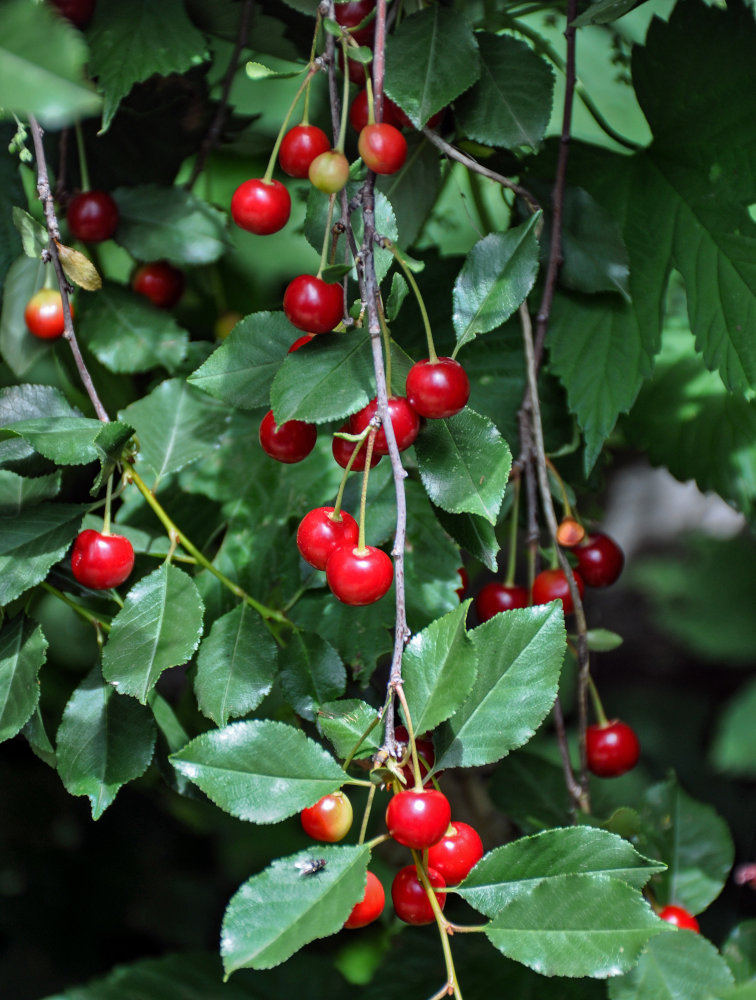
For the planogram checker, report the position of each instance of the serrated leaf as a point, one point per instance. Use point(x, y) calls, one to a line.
point(34, 238)
point(71, 440)
point(604, 12)
point(103, 742)
point(23, 649)
point(17, 492)
point(311, 673)
point(275, 913)
point(260, 770)
point(344, 723)
point(473, 533)
point(734, 748)
point(519, 657)
point(36, 736)
point(12, 195)
point(412, 191)
point(32, 542)
point(464, 464)
point(236, 665)
point(682, 966)
point(159, 626)
point(497, 274)
point(78, 269)
point(531, 790)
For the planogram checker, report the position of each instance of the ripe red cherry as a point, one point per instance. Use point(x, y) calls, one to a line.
point(78, 12)
point(261, 207)
point(612, 749)
point(330, 819)
point(92, 216)
point(101, 561)
point(680, 917)
point(409, 897)
point(382, 147)
point(350, 13)
point(299, 147)
point(404, 420)
point(312, 304)
point(319, 534)
point(437, 389)
point(370, 907)
point(418, 819)
point(359, 576)
point(291, 442)
point(426, 754)
point(600, 560)
point(457, 853)
point(342, 452)
point(496, 597)
point(358, 111)
point(160, 282)
point(551, 585)
point(329, 171)
point(44, 314)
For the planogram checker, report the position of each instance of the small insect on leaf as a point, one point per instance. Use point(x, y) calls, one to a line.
point(310, 865)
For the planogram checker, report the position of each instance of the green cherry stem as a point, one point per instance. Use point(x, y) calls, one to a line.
point(443, 929)
point(83, 612)
point(363, 492)
point(267, 176)
point(411, 738)
point(366, 815)
point(370, 100)
point(513, 519)
point(83, 169)
point(108, 498)
point(432, 356)
point(597, 706)
point(344, 103)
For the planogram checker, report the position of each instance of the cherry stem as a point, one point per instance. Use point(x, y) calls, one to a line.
point(513, 526)
point(358, 744)
point(363, 491)
point(327, 236)
point(312, 69)
point(83, 612)
point(341, 139)
point(380, 839)
point(371, 106)
point(411, 738)
point(443, 927)
point(597, 705)
point(366, 815)
point(83, 169)
point(108, 498)
point(567, 506)
point(432, 356)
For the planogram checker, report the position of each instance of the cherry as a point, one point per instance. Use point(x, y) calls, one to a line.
point(418, 819)
point(404, 420)
point(330, 819)
point(350, 13)
point(101, 561)
point(319, 533)
point(299, 147)
point(261, 207)
point(358, 111)
point(357, 71)
point(464, 577)
point(437, 389)
point(600, 560)
point(312, 304)
point(289, 443)
point(44, 314)
point(612, 749)
point(410, 899)
point(570, 533)
point(359, 576)
point(382, 147)
point(160, 282)
point(496, 597)
point(370, 907)
point(92, 216)
point(551, 585)
point(342, 452)
point(78, 12)
point(680, 917)
point(457, 853)
point(426, 754)
point(300, 342)
point(329, 171)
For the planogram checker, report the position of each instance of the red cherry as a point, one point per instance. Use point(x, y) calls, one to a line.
point(612, 749)
point(92, 216)
point(342, 452)
point(464, 577)
point(437, 389)
point(329, 171)
point(299, 147)
point(319, 534)
point(291, 442)
point(160, 282)
point(370, 907)
point(312, 304)
point(457, 853)
point(410, 899)
point(418, 819)
point(359, 576)
point(300, 342)
point(600, 560)
point(101, 561)
point(358, 111)
point(44, 314)
point(570, 533)
point(426, 754)
point(78, 12)
point(383, 148)
point(551, 585)
point(350, 13)
point(404, 420)
point(330, 819)
point(261, 207)
point(496, 597)
point(680, 917)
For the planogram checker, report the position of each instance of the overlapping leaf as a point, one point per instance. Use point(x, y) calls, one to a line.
point(23, 649)
point(32, 542)
point(682, 966)
point(345, 723)
point(312, 673)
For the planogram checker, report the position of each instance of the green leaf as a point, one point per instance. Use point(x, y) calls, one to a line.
point(473, 533)
point(412, 191)
point(311, 673)
point(681, 966)
point(514, 869)
point(519, 657)
point(236, 665)
point(739, 951)
point(104, 741)
point(175, 424)
point(431, 58)
point(604, 12)
point(602, 640)
point(36, 736)
point(734, 749)
point(23, 650)
point(510, 105)
point(438, 668)
point(159, 626)
point(259, 770)
point(576, 925)
point(275, 913)
point(34, 236)
point(11, 196)
point(32, 542)
point(344, 723)
point(16, 492)
point(531, 791)
point(497, 274)
point(47, 81)
point(72, 440)
point(131, 40)
point(169, 223)
point(464, 464)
